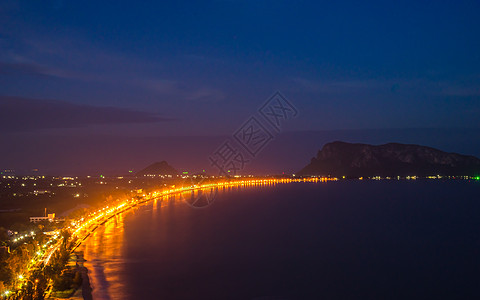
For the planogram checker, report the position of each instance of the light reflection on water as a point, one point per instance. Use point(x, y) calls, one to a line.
point(336, 240)
point(105, 249)
point(103, 252)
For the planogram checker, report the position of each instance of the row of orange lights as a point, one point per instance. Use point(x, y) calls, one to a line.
point(107, 212)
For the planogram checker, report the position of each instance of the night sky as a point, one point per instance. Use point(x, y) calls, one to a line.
point(113, 86)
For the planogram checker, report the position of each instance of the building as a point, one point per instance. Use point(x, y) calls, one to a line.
point(49, 217)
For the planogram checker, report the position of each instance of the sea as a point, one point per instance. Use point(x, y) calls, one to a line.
point(350, 239)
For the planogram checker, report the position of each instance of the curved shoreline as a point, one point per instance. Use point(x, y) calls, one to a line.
point(86, 288)
point(158, 195)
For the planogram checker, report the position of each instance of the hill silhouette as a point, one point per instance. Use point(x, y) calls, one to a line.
point(157, 169)
point(393, 159)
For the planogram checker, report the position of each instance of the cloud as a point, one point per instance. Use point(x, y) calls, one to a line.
point(20, 68)
point(26, 114)
point(205, 94)
point(28, 68)
point(85, 64)
point(79, 61)
point(410, 86)
point(461, 91)
point(173, 88)
point(329, 86)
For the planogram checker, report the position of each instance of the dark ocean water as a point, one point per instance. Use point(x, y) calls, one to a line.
point(335, 240)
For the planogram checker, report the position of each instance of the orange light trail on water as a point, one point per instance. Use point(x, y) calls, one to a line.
point(83, 227)
point(98, 217)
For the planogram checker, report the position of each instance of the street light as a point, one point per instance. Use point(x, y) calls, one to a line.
point(22, 278)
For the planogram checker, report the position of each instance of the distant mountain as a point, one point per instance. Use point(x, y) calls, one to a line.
point(357, 160)
point(158, 168)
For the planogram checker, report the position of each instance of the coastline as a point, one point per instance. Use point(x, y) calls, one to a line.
point(85, 289)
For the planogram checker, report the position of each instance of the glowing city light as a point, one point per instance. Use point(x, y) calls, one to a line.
point(84, 226)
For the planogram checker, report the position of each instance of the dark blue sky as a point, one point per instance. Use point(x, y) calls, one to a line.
point(203, 67)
